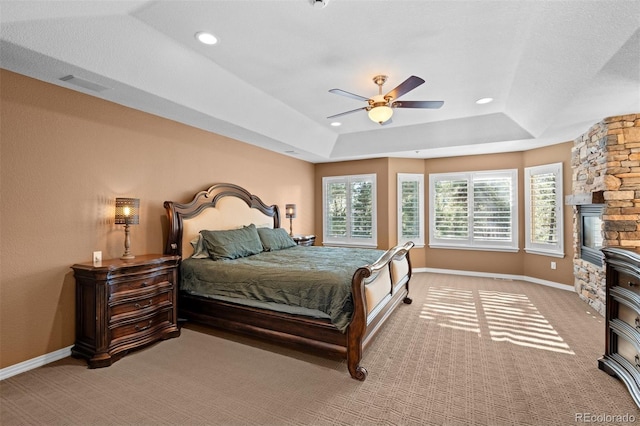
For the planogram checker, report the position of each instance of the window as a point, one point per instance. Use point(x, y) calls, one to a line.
point(474, 210)
point(411, 208)
point(543, 214)
point(349, 209)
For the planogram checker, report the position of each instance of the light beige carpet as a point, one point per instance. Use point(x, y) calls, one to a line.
point(467, 351)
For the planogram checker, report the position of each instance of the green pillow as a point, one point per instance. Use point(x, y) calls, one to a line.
point(275, 239)
point(233, 243)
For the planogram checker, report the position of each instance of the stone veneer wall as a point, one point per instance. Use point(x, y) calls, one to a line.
point(607, 158)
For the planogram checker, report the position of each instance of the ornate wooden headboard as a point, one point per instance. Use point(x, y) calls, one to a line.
point(222, 206)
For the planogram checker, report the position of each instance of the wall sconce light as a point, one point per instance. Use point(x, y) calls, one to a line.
point(290, 212)
point(127, 213)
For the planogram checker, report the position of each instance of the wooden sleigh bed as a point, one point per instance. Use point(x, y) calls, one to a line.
point(376, 288)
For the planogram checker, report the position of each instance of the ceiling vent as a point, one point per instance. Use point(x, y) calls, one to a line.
point(94, 87)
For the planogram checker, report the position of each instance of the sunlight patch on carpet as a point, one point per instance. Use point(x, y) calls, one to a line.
point(451, 308)
point(513, 318)
point(505, 317)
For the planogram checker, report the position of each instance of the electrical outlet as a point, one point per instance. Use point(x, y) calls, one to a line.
point(97, 258)
point(553, 265)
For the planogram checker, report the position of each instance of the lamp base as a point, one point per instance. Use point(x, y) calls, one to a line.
point(127, 243)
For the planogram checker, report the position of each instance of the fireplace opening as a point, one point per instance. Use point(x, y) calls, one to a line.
point(591, 238)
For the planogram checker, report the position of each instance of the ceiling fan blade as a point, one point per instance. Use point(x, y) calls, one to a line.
point(348, 94)
point(404, 87)
point(346, 112)
point(417, 104)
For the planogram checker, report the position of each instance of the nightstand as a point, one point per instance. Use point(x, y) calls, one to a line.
point(304, 240)
point(122, 305)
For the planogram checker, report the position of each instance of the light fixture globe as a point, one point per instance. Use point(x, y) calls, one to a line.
point(380, 110)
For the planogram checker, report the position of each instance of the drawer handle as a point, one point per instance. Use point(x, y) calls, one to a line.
point(637, 361)
point(144, 327)
point(144, 284)
point(139, 306)
point(638, 323)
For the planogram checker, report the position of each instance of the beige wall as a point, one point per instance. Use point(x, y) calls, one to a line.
point(379, 166)
point(520, 263)
point(65, 157)
point(538, 266)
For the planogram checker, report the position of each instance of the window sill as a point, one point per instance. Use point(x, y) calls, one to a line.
point(354, 245)
point(544, 253)
point(475, 248)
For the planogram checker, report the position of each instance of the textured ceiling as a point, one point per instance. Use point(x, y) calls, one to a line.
point(554, 68)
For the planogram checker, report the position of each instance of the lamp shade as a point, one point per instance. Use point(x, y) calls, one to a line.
point(380, 114)
point(290, 211)
point(127, 211)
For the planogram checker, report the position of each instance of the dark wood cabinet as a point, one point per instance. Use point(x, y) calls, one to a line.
point(622, 340)
point(304, 240)
point(122, 305)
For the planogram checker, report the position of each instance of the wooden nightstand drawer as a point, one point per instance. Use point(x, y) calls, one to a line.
point(125, 287)
point(141, 305)
point(139, 327)
point(122, 305)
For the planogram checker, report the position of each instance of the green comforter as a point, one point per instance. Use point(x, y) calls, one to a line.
point(317, 278)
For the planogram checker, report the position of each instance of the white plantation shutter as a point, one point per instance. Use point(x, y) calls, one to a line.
point(544, 212)
point(349, 210)
point(492, 208)
point(451, 208)
point(361, 207)
point(336, 209)
point(411, 208)
point(476, 210)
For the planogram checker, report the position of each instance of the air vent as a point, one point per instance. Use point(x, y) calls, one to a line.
point(94, 87)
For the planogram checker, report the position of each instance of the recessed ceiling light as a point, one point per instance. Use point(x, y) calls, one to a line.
point(484, 101)
point(206, 38)
point(336, 124)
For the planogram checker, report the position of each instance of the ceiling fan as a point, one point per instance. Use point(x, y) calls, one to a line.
point(380, 107)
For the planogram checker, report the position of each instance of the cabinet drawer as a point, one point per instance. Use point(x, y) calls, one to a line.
point(140, 327)
point(137, 306)
point(629, 315)
point(140, 283)
point(628, 351)
point(629, 282)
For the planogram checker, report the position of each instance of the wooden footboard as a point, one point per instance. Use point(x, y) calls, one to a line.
point(377, 290)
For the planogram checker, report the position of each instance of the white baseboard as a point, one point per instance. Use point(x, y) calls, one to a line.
point(30, 364)
point(498, 276)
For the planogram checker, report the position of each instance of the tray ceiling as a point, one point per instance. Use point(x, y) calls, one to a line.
point(554, 68)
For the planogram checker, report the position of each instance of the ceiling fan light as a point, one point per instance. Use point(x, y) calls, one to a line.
point(380, 114)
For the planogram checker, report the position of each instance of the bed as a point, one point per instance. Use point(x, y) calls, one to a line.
point(274, 298)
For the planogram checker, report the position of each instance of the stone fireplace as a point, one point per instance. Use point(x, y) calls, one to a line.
point(606, 173)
